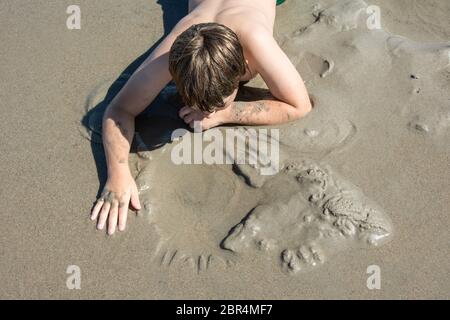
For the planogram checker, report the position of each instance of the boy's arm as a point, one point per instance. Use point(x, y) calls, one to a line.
point(118, 122)
point(284, 82)
point(118, 132)
point(261, 112)
point(137, 94)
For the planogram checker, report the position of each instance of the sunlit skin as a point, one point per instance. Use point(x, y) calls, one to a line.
point(208, 120)
point(253, 22)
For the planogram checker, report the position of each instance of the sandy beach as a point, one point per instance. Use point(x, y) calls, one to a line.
point(363, 180)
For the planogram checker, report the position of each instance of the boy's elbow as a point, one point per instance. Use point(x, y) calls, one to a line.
point(302, 109)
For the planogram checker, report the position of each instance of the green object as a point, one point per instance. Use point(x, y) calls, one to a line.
point(280, 2)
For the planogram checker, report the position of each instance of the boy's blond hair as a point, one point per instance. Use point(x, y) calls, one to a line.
point(206, 62)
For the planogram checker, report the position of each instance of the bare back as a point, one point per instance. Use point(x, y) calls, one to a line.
point(235, 14)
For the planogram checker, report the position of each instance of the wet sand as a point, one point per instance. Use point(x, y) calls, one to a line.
point(364, 178)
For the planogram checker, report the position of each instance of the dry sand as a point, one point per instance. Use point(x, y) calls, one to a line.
point(364, 180)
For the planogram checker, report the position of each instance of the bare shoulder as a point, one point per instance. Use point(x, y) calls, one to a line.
point(256, 37)
point(270, 61)
point(258, 33)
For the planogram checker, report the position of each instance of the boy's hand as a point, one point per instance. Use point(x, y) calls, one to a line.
point(114, 202)
point(207, 121)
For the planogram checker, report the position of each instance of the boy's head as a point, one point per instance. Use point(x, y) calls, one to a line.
point(206, 62)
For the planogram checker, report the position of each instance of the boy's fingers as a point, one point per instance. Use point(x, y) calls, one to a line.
point(123, 215)
point(112, 219)
point(96, 210)
point(103, 216)
point(135, 203)
point(190, 117)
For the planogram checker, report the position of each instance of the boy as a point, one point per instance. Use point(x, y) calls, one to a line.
point(217, 45)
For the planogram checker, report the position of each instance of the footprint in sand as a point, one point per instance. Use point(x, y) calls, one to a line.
point(433, 123)
point(312, 66)
point(323, 215)
point(429, 67)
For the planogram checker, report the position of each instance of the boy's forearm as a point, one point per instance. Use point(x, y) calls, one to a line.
point(263, 112)
point(118, 132)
